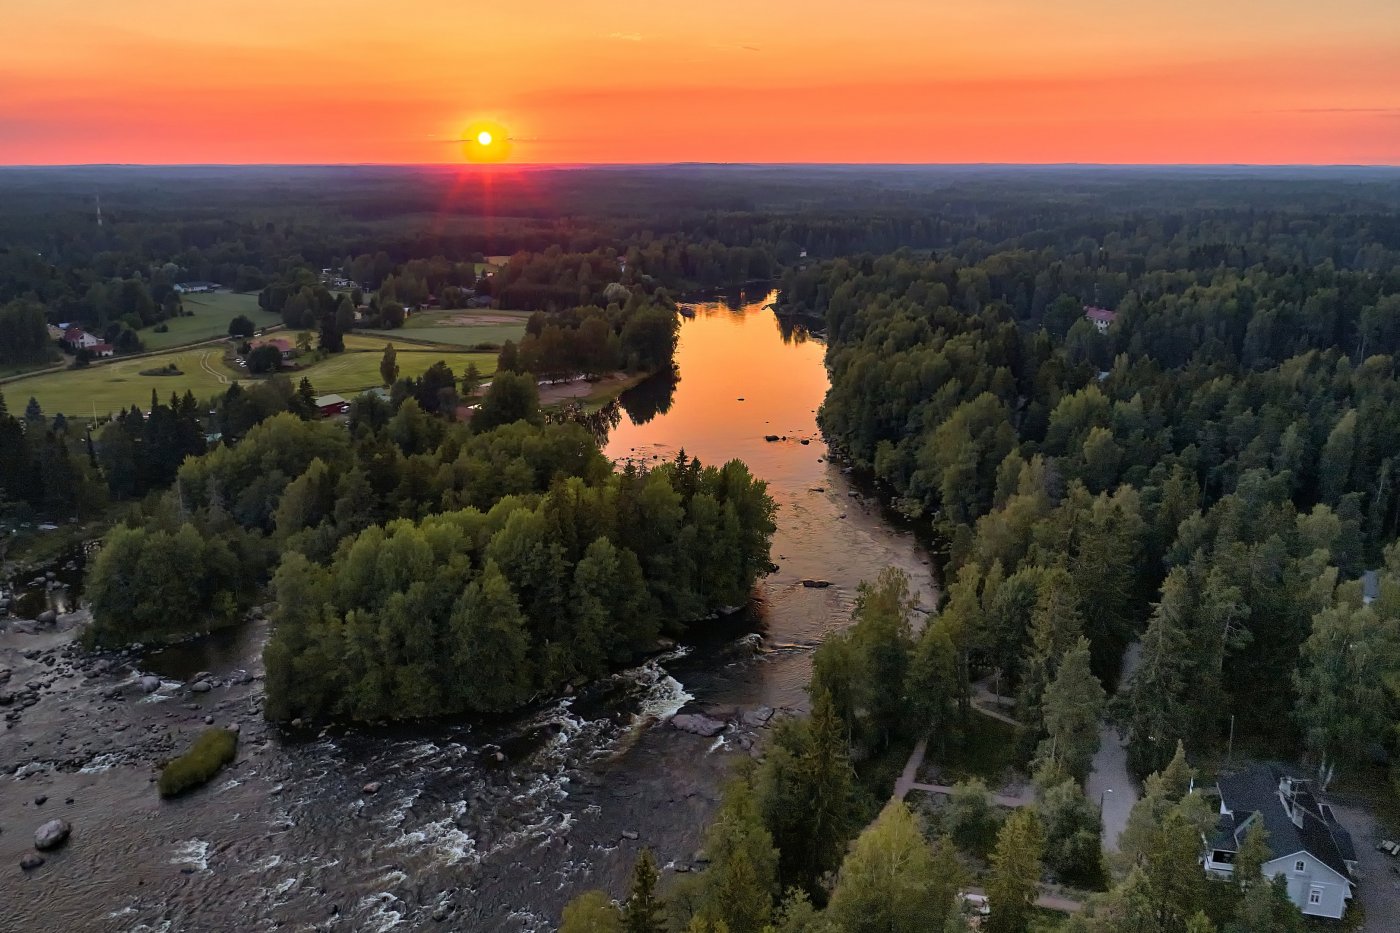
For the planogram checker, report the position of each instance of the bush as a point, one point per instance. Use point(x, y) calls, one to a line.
point(264, 359)
point(241, 326)
point(970, 818)
point(213, 749)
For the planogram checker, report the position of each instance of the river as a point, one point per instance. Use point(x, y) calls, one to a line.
point(488, 826)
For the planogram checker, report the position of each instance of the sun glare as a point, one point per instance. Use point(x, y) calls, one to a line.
point(486, 142)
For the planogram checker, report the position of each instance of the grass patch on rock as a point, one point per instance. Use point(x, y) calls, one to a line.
point(213, 749)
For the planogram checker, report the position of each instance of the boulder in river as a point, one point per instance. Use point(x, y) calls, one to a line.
point(201, 686)
point(46, 617)
point(697, 724)
point(51, 835)
point(758, 716)
point(372, 787)
point(816, 584)
point(150, 684)
point(31, 861)
point(770, 438)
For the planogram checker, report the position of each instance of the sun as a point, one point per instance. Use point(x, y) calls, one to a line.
point(486, 141)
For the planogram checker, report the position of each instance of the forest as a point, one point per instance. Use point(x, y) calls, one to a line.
point(1210, 477)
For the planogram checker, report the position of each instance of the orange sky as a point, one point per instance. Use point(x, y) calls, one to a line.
point(1263, 81)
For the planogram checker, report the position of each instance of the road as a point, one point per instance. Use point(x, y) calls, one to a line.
point(1377, 878)
point(1109, 780)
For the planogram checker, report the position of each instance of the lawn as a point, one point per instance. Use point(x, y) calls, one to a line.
point(989, 749)
point(212, 314)
point(459, 328)
point(357, 369)
point(107, 387)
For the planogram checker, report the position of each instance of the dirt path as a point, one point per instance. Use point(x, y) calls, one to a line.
point(204, 364)
point(1047, 900)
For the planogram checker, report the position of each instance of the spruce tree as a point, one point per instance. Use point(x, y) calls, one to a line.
point(642, 911)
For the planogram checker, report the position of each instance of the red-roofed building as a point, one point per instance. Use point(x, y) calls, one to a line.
point(78, 339)
point(1102, 318)
point(283, 346)
point(102, 349)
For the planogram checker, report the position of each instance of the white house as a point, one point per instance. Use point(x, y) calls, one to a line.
point(1309, 847)
point(79, 339)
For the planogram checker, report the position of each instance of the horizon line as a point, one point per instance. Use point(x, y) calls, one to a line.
point(506, 166)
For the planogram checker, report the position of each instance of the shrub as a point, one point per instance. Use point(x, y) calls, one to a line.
point(213, 749)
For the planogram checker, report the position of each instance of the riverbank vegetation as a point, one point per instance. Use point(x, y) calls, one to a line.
point(214, 748)
point(1204, 469)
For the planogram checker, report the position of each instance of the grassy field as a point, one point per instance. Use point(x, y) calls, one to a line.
point(438, 327)
point(357, 368)
point(111, 386)
point(212, 314)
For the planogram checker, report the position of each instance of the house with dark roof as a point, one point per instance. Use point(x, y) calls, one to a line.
point(1309, 848)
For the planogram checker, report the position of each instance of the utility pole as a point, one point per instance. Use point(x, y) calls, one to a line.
point(1230, 748)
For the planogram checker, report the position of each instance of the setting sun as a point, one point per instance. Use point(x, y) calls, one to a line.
point(486, 141)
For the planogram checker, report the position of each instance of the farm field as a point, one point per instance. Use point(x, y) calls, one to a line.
point(459, 328)
point(109, 387)
point(212, 314)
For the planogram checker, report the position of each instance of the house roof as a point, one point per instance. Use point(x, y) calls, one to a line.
point(279, 343)
point(1257, 790)
point(1100, 315)
point(325, 401)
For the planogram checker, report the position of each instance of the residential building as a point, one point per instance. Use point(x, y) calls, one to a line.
point(330, 405)
point(1102, 318)
point(79, 339)
point(284, 346)
point(1310, 849)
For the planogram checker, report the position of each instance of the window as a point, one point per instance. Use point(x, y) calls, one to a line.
point(1315, 896)
point(1298, 865)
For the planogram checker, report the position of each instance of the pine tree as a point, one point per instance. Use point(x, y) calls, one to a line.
point(1071, 707)
point(1253, 853)
point(1015, 879)
point(742, 879)
point(642, 911)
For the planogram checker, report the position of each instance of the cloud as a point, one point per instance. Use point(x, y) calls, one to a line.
point(626, 36)
point(1378, 111)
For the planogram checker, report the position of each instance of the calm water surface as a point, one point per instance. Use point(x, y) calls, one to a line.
point(491, 825)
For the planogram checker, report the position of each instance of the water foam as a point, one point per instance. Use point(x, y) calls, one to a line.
point(193, 853)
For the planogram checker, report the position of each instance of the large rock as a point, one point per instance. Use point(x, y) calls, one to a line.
point(697, 724)
point(201, 686)
point(758, 716)
point(51, 835)
point(150, 684)
point(46, 617)
point(31, 861)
